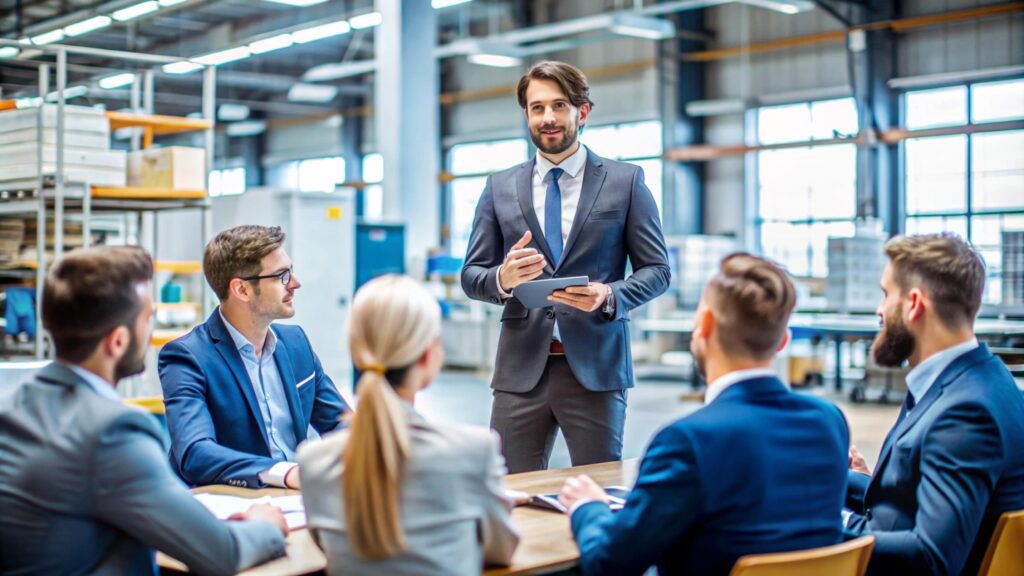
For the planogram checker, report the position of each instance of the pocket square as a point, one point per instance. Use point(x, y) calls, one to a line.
point(305, 380)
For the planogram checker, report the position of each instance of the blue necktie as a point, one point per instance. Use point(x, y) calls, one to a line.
point(553, 217)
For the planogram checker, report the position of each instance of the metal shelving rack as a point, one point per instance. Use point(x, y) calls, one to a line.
point(46, 194)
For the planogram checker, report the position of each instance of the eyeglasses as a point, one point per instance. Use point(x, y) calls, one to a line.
point(285, 276)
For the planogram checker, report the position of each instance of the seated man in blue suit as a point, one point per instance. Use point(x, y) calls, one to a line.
point(759, 469)
point(241, 392)
point(954, 461)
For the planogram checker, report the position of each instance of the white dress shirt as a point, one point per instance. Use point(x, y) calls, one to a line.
point(716, 388)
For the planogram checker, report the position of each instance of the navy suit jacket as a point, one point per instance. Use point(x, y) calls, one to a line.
point(217, 432)
point(760, 469)
point(948, 469)
point(616, 219)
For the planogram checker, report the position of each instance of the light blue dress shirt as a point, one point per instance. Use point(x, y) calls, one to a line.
point(924, 375)
point(269, 388)
point(98, 385)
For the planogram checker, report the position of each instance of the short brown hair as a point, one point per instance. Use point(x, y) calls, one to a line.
point(90, 292)
point(568, 77)
point(237, 253)
point(946, 267)
point(752, 299)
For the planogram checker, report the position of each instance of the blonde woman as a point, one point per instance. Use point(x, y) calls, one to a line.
point(395, 494)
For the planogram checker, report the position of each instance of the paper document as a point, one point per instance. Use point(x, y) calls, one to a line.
point(223, 506)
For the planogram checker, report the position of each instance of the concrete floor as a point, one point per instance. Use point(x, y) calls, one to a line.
point(466, 398)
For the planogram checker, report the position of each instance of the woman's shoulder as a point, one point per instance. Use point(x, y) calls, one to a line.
point(322, 452)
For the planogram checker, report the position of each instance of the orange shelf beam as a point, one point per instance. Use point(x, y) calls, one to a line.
point(144, 193)
point(156, 124)
point(179, 266)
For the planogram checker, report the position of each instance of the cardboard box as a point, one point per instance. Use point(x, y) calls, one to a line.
point(177, 167)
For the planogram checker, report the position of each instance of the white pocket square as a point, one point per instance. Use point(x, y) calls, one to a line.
point(305, 380)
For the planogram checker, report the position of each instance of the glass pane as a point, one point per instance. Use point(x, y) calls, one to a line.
point(634, 140)
point(820, 233)
point(465, 195)
point(832, 172)
point(602, 140)
point(373, 202)
point(233, 181)
point(987, 237)
point(373, 168)
point(487, 157)
point(214, 186)
point(321, 174)
point(997, 170)
point(791, 123)
point(787, 244)
point(936, 224)
point(940, 107)
point(652, 177)
point(993, 101)
point(833, 118)
point(784, 185)
point(936, 174)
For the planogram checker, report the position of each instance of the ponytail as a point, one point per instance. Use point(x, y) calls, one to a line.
point(374, 457)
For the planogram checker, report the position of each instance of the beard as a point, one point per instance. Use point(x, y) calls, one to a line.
point(700, 366)
point(568, 139)
point(894, 344)
point(134, 360)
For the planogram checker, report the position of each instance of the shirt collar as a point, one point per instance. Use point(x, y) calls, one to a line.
point(716, 388)
point(241, 341)
point(924, 375)
point(571, 165)
point(99, 385)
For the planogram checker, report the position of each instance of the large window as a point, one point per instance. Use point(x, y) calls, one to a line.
point(805, 194)
point(226, 182)
point(373, 193)
point(321, 174)
point(638, 143)
point(470, 164)
point(972, 185)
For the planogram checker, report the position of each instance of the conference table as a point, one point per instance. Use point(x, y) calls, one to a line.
point(546, 543)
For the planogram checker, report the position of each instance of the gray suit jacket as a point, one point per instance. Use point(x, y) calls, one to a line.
point(455, 514)
point(616, 218)
point(85, 488)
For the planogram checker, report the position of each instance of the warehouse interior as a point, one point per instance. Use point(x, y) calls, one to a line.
point(807, 131)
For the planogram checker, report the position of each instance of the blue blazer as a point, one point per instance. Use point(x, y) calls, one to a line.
point(758, 470)
point(217, 433)
point(616, 220)
point(948, 469)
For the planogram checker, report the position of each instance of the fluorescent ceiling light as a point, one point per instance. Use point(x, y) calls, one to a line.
point(320, 32)
point(272, 43)
point(166, 3)
point(368, 20)
point(339, 70)
point(299, 3)
point(319, 93)
point(116, 81)
point(639, 26)
point(495, 60)
point(232, 112)
point(183, 67)
point(224, 56)
point(438, 4)
point(783, 6)
point(26, 41)
point(8, 52)
point(48, 37)
point(135, 11)
point(86, 26)
point(69, 93)
point(27, 102)
point(247, 128)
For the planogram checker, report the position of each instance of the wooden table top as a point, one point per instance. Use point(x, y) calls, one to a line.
point(546, 541)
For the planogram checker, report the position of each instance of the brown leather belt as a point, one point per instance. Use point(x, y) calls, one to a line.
point(557, 348)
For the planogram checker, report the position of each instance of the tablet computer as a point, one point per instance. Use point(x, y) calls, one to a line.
point(534, 294)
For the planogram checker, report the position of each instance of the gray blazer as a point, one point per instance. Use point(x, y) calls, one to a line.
point(85, 488)
point(617, 219)
point(455, 514)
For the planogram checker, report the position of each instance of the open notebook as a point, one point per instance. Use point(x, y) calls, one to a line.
point(616, 499)
point(223, 506)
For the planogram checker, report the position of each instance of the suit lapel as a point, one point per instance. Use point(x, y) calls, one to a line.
point(593, 179)
point(524, 190)
point(284, 368)
point(906, 421)
point(226, 348)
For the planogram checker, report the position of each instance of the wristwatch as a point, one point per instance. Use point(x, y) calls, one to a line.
point(609, 302)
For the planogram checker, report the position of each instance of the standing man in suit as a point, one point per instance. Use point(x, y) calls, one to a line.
point(241, 392)
point(954, 461)
point(85, 487)
point(566, 212)
point(731, 478)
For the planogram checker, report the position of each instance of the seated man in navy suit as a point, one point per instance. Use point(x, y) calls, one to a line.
point(755, 470)
point(242, 392)
point(954, 461)
point(758, 469)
